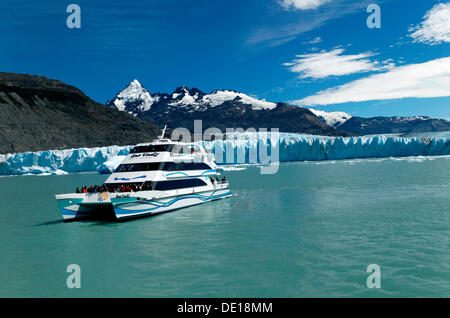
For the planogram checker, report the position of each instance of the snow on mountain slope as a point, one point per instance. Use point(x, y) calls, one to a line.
point(292, 147)
point(134, 99)
point(229, 108)
point(186, 98)
point(219, 97)
point(334, 119)
point(412, 118)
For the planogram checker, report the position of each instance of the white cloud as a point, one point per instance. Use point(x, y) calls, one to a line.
point(276, 35)
point(292, 25)
point(435, 28)
point(302, 4)
point(333, 63)
point(314, 41)
point(425, 80)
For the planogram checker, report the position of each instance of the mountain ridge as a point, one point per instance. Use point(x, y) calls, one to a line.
point(234, 109)
point(182, 95)
point(394, 125)
point(219, 109)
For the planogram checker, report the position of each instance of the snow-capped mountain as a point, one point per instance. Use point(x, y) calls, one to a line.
point(231, 109)
point(220, 108)
point(218, 97)
point(195, 100)
point(334, 119)
point(191, 99)
point(382, 125)
point(134, 99)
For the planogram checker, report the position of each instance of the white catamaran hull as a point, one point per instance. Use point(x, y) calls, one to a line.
point(155, 177)
point(133, 204)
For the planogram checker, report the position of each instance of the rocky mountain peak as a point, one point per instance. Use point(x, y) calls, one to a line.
point(134, 99)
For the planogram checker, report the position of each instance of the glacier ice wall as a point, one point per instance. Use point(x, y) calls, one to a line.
point(62, 161)
point(292, 147)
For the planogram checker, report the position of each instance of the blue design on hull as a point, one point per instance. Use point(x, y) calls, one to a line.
point(128, 179)
point(158, 205)
point(185, 174)
point(175, 173)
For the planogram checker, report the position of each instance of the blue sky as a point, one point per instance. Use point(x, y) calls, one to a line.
point(310, 52)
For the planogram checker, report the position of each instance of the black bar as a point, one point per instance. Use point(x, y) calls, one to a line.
point(228, 306)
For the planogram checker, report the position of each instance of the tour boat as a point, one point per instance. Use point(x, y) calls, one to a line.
point(155, 177)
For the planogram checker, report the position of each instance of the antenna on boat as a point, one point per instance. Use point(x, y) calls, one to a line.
point(163, 132)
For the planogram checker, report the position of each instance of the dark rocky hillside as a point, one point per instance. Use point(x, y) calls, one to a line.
point(394, 125)
point(234, 114)
point(38, 113)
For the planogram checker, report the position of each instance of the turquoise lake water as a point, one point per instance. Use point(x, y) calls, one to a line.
point(310, 230)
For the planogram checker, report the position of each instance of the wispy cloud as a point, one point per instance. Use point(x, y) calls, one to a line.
point(305, 20)
point(302, 4)
point(334, 63)
point(435, 28)
point(277, 35)
point(425, 80)
point(314, 41)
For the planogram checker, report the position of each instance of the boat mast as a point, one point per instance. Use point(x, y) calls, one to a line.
point(163, 132)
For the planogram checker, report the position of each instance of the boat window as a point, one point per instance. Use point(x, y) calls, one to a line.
point(178, 184)
point(151, 148)
point(164, 166)
point(176, 166)
point(147, 166)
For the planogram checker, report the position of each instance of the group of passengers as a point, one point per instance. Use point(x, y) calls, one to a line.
point(216, 180)
point(130, 187)
point(92, 189)
point(116, 188)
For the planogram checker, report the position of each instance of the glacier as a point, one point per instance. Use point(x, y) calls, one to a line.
point(292, 147)
point(100, 159)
